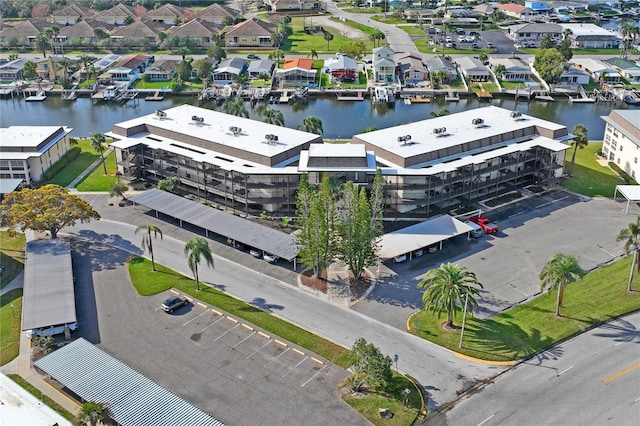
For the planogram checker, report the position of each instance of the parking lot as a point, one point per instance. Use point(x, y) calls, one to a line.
point(233, 370)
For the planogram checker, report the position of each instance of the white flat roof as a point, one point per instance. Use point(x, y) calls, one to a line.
point(421, 235)
point(25, 136)
point(630, 192)
point(460, 130)
point(215, 129)
point(588, 29)
point(337, 150)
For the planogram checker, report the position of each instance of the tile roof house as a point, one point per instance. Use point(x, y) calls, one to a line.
point(216, 13)
point(599, 70)
point(167, 14)
point(136, 30)
point(473, 69)
point(250, 33)
point(534, 31)
point(116, 15)
point(129, 68)
point(517, 11)
point(439, 63)
point(71, 14)
point(25, 32)
point(384, 67)
point(341, 67)
point(163, 70)
point(515, 69)
point(297, 72)
point(228, 70)
point(83, 32)
point(630, 70)
point(198, 29)
point(411, 69)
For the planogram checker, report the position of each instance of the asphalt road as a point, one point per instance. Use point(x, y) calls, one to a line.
point(593, 379)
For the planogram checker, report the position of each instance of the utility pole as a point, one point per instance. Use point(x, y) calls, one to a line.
point(464, 317)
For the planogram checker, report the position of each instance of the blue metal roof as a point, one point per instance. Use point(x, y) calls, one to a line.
point(131, 398)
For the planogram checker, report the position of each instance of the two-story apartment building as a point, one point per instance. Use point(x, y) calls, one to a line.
point(621, 143)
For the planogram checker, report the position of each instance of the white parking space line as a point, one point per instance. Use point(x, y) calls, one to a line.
point(486, 420)
point(636, 400)
point(258, 350)
point(195, 318)
point(212, 324)
point(295, 366)
point(285, 351)
point(226, 332)
point(234, 346)
point(564, 371)
point(314, 376)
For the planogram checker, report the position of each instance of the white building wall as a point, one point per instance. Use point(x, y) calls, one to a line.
point(622, 151)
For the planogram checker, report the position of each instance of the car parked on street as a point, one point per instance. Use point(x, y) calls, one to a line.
point(173, 303)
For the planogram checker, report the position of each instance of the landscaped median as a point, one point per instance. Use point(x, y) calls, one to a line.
point(532, 327)
point(405, 408)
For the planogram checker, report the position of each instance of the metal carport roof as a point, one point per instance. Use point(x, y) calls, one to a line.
point(48, 298)
point(421, 235)
point(630, 192)
point(242, 230)
point(132, 399)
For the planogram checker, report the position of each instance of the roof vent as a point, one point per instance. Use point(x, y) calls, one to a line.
point(235, 130)
point(197, 120)
point(161, 114)
point(440, 131)
point(516, 115)
point(478, 122)
point(403, 140)
point(271, 139)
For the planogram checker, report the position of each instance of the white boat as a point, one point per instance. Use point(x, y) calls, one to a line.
point(38, 97)
point(110, 93)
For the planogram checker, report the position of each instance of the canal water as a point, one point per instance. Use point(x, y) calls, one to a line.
point(340, 119)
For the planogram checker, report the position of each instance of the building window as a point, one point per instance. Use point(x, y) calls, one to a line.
point(17, 165)
point(633, 174)
point(635, 160)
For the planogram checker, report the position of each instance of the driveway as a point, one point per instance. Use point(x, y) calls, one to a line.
point(502, 43)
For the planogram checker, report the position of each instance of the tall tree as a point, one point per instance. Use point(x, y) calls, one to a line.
point(579, 142)
point(48, 208)
point(550, 65)
point(369, 366)
point(631, 238)
point(235, 107)
point(376, 202)
point(448, 288)
point(328, 37)
point(312, 124)
point(97, 143)
point(52, 32)
point(150, 232)
point(93, 414)
point(203, 68)
point(197, 249)
point(557, 273)
point(118, 189)
point(43, 43)
point(30, 71)
point(546, 42)
point(272, 116)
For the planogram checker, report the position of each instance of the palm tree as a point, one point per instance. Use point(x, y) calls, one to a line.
point(580, 141)
point(557, 273)
point(97, 143)
point(42, 43)
point(93, 414)
point(446, 289)
point(499, 70)
point(312, 124)
point(631, 238)
point(272, 116)
point(276, 55)
point(183, 51)
point(147, 241)
point(235, 107)
point(86, 61)
point(313, 53)
point(52, 32)
point(328, 36)
point(196, 249)
point(566, 33)
point(118, 189)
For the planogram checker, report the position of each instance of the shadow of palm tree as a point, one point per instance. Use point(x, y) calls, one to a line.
point(619, 331)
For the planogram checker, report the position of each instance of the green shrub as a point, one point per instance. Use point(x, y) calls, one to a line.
point(628, 179)
point(67, 158)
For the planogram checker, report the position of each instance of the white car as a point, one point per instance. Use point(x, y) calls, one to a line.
point(271, 258)
point(400, 259)
point(448, 39)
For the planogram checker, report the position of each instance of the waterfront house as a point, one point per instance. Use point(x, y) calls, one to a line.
point(228, 70)
point(12, 70)
point(48, 69)
point(439, 63)
point(216, 13)
point(26, 152)
point(138, 32)
point(574, 75)
point(161, 70)
point(261, 66)
point(71, 15)
point(341, 68)
point(621, 143)
point(473, 69)
point(628, 69)
point(167, 14)
point(383, 65)
point(517, 11)
point(599, 70)
point(129, 68)
point(197, 29)
point(411, 69)
point(251, 33)
point(117, 15)
point(515, 69)
point(24, 33)
point(534, 31)
point(592, 36)
point(297, 72)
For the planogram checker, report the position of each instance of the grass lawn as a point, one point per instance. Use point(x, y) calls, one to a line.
point(148, 283)
point(583, 51)
point(402, 415)
point(532, 327)
point(413, 31)
point(589, 177)
point(512, 85)
point(488, 87)
point(10, 315)
point(12, 256)
point(141, 84)
point(97, 180)
point(39, 395)
point(300, 42)
point(77, 166)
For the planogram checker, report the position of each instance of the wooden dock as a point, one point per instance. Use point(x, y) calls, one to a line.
point(284, 98)
point(359, 97)
point(155, 97)
point(452, 97)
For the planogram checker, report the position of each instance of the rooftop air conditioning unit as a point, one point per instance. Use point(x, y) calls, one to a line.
point(271, 139)
point(235, 130)
point(440, 131)
point(478, 122)
point(160, 114)
point(403, 140)
point(516, 115)
point(197, 120)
